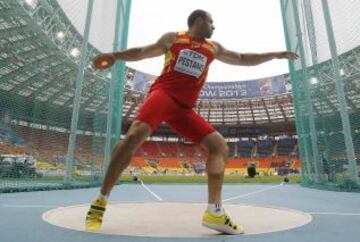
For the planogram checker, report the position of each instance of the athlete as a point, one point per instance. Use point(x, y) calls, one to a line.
point(171, 99)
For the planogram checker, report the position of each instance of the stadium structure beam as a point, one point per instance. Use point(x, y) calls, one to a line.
point(199, 106)
point(16, 31)
point(281, 108)
point(7, 44)
point(88, 92)
point(12, 17)
point(30, 79)
point(17, 56)
point(350, 102)
point(131, 108)
point(62, 90)
point(29, 66)
point(223, 112)
point(209, 108)
point(132, 105)
point(315, 109)
point(53, 82)
point(34, 49)
point(95, 94)
point(237, 107)
point(266, 110)
point(252, 111)
point(352, 89)
point(12, 60)
point(98, 79)
point(105, 100)
point(37, 76)
point(330, 104)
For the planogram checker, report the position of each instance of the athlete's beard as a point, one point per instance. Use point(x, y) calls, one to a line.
point(208, 35)
point(205, 34)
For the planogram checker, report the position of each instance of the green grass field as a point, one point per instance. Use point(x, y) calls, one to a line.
point(157, 179)
point(203, 179)
point(57, 182)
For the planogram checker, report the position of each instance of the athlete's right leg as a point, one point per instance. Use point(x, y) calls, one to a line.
point(193, 127)
point(123, 152)
point(150, 115)
point(120, 159)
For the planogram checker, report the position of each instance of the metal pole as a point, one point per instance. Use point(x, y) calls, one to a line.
point(110, 105)
point(314, 57)
point(78, 90)
point(121, 66)
point(313, 133)
point(117, 80)
point(306, 171)
point(339, 83)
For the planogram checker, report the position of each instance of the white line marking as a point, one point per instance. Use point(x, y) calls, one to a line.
point(26, 206)
point(252, 193)
point(335, 213)
point(151, 192)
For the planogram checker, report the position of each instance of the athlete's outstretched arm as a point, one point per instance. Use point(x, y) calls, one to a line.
point(247, 59)
point(137, 53)
point(153, 50)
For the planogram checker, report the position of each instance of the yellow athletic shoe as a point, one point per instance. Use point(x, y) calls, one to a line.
point(221, 223)
point(95, 214)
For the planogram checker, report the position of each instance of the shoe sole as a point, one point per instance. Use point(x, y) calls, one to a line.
point(221, 228)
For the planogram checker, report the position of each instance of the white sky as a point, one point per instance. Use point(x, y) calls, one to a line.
point(241, 25)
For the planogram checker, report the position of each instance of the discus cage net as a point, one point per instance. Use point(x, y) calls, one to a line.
point(325, 87)
point(59, 117)
point(58, 114)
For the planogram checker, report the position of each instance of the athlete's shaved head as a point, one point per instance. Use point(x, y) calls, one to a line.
point(200, 23)
point(199, 13)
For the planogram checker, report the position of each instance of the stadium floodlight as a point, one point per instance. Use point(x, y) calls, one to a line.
point(31, 3)
point(60, 35)
point(75, 52)
point(313, 80)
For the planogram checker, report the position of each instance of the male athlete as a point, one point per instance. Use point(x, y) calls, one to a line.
point(171, 99)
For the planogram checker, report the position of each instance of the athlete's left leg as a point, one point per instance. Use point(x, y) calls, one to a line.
point(217, 149)
point(193, 127)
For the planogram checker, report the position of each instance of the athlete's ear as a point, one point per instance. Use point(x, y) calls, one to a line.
point(198, 20)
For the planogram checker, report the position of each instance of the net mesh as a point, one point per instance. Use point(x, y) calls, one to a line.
point(41, 44)
point(325, 82)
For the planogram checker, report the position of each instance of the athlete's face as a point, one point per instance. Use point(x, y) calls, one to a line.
point(207, 26)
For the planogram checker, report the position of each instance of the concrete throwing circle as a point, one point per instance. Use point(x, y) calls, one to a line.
point(176, 219)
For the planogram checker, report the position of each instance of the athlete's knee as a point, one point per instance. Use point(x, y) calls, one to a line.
point(224, 149)
point(133, 139)
point(217, 173)
point(216, 145)
point(219, 148)
point(137, 133)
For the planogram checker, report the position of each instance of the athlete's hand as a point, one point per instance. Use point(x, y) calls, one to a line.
point(103, 61)
point(287, 55)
